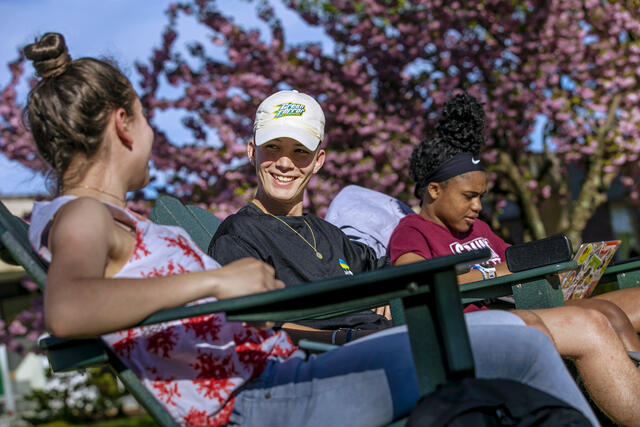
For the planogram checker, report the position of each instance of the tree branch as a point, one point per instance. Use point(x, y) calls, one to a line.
point(530, 210)
point(596, 182)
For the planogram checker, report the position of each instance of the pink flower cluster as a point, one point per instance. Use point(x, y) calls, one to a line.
point(382, 83)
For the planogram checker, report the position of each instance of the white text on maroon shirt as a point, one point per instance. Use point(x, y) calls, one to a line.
point(474, 245)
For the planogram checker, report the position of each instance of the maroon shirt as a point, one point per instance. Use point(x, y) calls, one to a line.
point(430, 240)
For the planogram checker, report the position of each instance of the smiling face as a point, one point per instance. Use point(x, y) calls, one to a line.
point(284, 167)
point(457, 203)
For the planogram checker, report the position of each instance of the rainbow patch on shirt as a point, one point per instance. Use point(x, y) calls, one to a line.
point(345, 267)
point(289, 109)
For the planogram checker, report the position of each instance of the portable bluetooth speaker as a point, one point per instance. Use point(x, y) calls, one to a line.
point(538, 253)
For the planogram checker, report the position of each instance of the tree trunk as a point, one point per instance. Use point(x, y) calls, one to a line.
point(561, 190)
point(529, 209)
point(596, 183)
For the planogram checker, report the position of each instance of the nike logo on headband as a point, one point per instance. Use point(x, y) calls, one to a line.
point(474, 161)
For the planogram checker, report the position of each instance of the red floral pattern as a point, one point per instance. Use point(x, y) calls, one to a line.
point(166, 390)
point(162, 342)
point(283, 351)
point(187, 249)
point(155, 272)
point(218, 389)
point(191, 366)
point(124, 347)
point(140, 250)
point(222, 417)
point(168, 270)
point(197, 418)
point(204, 327)
point(252, 357)
point(209, 366)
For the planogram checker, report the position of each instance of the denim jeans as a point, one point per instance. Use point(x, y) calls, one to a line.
point(372, 381)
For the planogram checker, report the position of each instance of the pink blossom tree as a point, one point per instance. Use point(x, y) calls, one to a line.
point(390, 67)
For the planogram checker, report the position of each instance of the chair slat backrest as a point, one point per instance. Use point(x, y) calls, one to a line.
point(16, 248)
point(620, 276)
point(199, 223)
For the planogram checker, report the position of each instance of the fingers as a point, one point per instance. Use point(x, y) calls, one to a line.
point(384, 311)
point(278, 284)
point(249, 276)
point(266, 276)
point(269, 270)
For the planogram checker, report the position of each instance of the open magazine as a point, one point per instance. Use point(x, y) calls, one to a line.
point(592, 258)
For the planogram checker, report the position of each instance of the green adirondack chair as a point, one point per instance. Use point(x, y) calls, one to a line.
point(428, 292)
point(620, 276)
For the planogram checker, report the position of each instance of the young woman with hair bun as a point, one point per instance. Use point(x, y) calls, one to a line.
point(450, 183)
point(110, 268)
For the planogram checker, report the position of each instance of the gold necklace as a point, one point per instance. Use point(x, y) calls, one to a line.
point(88, 187)
point(314, 246)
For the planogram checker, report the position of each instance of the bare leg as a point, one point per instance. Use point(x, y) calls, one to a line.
point(610, 377)
point(618, 319)
point(532, 319)
point(628, 300)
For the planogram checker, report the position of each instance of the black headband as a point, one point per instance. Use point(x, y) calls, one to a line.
point(457, 165)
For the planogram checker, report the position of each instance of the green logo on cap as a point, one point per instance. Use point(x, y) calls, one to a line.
point(288, 109)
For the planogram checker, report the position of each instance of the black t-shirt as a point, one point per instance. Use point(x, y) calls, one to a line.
point(252, 233)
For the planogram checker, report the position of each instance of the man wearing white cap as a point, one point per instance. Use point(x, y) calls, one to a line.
point(288, 130)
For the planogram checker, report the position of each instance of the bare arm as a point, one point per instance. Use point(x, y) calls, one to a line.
point(80, 301)
point(408, 258)
point(471, 276)
point(297, 332)
point(476, 275)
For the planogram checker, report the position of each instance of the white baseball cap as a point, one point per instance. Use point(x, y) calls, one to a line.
point(289, 114)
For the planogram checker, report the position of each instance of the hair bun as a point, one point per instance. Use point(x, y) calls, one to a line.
point(462, 123)
point(49, 55)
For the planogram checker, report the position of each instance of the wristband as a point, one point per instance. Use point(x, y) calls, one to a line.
point(491, 272)
point(487, 272)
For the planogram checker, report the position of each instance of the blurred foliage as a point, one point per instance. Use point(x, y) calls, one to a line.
point(77, 398)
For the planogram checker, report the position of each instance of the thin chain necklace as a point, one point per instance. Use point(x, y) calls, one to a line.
point(88, 187)
point(314, 246)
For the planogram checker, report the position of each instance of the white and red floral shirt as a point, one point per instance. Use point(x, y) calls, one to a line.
point(192, 366)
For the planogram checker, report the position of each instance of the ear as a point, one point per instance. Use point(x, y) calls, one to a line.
point(319, 161)
point(251, 152)
point(434, 190)
point(122, 127)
